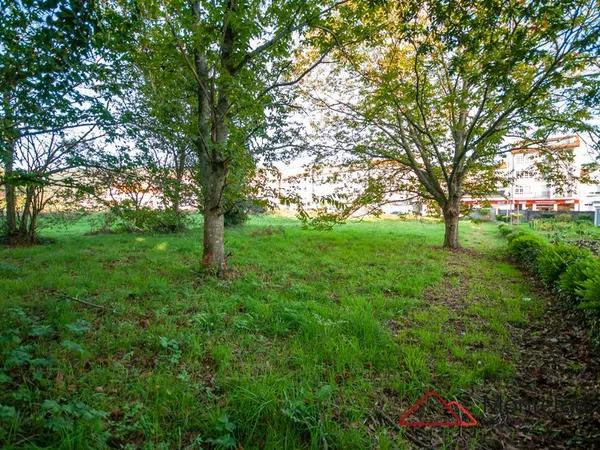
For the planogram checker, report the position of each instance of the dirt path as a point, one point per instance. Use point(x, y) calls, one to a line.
point(554, 401)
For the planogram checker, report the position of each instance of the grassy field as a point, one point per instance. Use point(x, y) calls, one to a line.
point(314, 337)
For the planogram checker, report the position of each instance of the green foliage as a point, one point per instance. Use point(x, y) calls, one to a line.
point(570, 270)
point(580, 233)
point(223, 429)
point(409, 66)
point(31, 401)
point(47, 91)
point(126, 217)
point(526, 248)
point(505, 229)
point(144, 219)
point(589, 291)
point(572, 279)
point(515, 233)
point(312, 330)
point(236, 215)
point(564, 218)
point(553, 260)
point(8, 270)
point(172, 349)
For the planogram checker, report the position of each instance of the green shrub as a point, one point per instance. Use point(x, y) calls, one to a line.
point(126, 217)
point(584, 220)
point(526, 248)
point(240, 211)
point(236, 215)
point(564, 218)
point(572, 279)
point(144, 219)
point(553, 260)
point(505, 229)
point(515, 233)
point(590, 299)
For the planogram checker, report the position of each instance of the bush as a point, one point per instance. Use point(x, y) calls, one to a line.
point(574, 272)
point(564, 218)
point(144, 219)
point(572, 279)
point(526, 248)
point(515, 233)
point(127, 218)
point(240, 211)
point(505, 229)
point(553, 260)
point(589, 292)
point(584, 220)
point(236, 215)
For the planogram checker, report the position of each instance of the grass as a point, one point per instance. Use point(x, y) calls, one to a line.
point(313, 338)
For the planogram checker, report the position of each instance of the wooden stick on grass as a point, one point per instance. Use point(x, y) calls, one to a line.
point(84, 302)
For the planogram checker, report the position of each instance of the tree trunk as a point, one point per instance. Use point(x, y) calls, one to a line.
point(10, 194)
point(213, 256)
point(11, 208)
point(451, 215)
point(213, 132)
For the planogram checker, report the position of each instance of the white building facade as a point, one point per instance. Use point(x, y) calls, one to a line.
point(526, 190)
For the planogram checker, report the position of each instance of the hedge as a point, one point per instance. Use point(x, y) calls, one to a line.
point(526, 248)
point(554, 260)
point(573, 273)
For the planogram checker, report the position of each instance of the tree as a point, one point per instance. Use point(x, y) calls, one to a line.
point(52, 73)
point(227, 60)
point(47, 173)
point(445, 88)
point(164, 156)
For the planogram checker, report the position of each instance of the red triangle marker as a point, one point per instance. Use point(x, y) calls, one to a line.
point(448, 407)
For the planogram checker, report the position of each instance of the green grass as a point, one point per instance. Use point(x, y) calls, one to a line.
point(310, 339)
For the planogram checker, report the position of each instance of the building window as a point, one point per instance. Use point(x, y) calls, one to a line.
point(519, 159)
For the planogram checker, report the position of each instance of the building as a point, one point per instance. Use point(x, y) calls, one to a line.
point(311, 188)
point(527, 190)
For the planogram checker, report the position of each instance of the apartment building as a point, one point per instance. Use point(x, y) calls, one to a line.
point(527, 190)
point(311, 186)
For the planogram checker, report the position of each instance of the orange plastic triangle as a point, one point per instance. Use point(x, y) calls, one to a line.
point(448, 406)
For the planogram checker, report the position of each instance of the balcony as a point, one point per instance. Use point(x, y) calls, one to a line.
point(533, 194)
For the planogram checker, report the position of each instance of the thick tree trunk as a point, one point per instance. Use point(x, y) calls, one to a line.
point(213, 256)
point(451, 215)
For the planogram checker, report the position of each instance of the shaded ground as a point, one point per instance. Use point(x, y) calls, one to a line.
point(554, 401)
